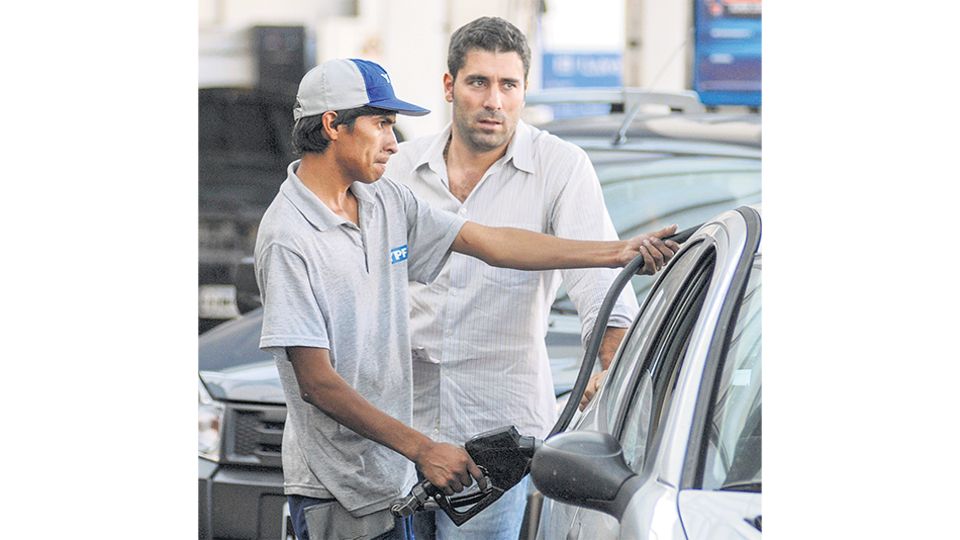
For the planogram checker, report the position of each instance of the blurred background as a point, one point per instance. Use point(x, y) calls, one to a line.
point(637, 43)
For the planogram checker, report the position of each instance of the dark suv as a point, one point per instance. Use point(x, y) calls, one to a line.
point(244, 149)
point(675, 164)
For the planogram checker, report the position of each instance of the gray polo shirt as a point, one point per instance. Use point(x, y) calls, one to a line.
point(329, 284)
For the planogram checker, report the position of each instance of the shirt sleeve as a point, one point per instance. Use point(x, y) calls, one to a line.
point(291, 313)
point(579, 213)
point(430, 234)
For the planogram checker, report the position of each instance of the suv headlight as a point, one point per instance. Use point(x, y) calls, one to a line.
point(211, 425)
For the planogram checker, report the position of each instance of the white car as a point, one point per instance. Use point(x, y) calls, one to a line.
point(670, 447)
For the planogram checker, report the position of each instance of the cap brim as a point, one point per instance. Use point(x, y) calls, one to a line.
point(402, 107)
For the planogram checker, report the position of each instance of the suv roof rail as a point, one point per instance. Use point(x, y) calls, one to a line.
point(630, 99)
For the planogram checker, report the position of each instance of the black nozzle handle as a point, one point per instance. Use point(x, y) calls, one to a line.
point(486, 498)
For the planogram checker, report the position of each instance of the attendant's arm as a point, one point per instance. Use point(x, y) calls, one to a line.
point(526, 250)
point(446, 466)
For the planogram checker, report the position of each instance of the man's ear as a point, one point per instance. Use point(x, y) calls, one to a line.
point(328, 118)
point(448, 87)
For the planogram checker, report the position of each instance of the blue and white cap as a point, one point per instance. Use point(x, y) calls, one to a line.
point(347, 84)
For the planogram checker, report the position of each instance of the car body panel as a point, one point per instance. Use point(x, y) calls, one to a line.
point(706, 514)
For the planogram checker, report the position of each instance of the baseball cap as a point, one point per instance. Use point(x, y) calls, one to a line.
point(347, 84)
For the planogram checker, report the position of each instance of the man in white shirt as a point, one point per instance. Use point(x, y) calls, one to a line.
point(479, 358)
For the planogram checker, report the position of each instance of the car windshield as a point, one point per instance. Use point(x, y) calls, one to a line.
point(733, 459)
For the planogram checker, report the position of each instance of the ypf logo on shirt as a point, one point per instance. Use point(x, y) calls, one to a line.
point(398, 254)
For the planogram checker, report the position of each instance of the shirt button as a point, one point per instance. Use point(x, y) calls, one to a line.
point(449, 332)
point(436, 431)
point(454, 292)
point(463, 211)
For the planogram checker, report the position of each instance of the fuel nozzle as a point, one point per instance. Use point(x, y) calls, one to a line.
point(504, 457)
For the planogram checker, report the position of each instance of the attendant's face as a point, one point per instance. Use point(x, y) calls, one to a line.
point(364, 150)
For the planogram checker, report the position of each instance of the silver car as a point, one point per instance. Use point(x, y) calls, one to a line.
point(670, 447)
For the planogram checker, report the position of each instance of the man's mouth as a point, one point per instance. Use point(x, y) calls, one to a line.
point(488, 122)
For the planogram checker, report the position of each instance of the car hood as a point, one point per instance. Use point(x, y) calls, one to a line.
point(232, 366)
point(719, 515)
point(258, 382)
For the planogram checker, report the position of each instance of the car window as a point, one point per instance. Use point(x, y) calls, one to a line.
point(733, 452)
point(644, 335)
point(657, 380)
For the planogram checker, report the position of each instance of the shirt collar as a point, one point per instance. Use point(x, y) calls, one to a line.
point(311, 207)
point(519, 150)
point(433, 156)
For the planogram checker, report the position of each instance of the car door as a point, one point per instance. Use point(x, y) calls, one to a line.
point(674, 331)
point(640, 382)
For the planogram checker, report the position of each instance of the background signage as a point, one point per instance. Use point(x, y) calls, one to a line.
point(727, 52)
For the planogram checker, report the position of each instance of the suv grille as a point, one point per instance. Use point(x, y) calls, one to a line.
point(254, 434)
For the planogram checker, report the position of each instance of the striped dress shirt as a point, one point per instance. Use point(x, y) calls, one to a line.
point(480, 360)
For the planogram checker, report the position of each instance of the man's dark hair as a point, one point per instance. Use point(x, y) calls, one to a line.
point(308, 135)
point(491, 34)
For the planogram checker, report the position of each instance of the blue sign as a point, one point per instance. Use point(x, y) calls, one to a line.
point(727, 52)
point(581, 70)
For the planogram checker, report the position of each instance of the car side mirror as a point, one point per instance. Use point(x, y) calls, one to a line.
point(584, 468)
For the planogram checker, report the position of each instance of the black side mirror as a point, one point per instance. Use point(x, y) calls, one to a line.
point(584, 468)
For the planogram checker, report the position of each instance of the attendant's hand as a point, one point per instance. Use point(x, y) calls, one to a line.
point(656, 252)
point(450, 468)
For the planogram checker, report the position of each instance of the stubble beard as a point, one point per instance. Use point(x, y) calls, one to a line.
point(474, 137)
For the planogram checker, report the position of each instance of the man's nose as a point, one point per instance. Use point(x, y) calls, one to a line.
point(391, 142)
point(493, 100)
